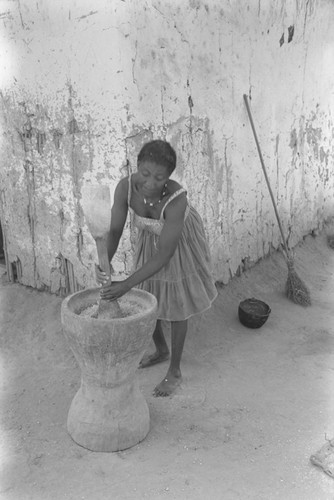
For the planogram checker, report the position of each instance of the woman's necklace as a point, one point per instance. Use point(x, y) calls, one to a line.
point(154, 203)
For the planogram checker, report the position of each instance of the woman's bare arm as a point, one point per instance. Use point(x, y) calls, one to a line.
point(168, 241)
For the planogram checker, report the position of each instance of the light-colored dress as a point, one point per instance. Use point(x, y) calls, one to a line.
point(185, 285)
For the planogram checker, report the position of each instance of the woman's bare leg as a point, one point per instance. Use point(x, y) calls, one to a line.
point(162, 351)
point(173, 377)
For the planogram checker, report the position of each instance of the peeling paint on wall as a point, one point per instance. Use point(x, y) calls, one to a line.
point(88, 87)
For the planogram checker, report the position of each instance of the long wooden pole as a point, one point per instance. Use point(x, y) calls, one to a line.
point(265, 174)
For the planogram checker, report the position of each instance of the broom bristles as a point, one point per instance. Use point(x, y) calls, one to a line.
point(295, 288)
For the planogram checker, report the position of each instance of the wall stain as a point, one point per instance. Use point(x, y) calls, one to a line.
point(57, 135)
point(62, 278)
point(31, 209)
point(15, 271)
point(79, 241)
point(58, 277)
point(324, 158)
point(191, 105)
point(61, 215)
point(73, 127)
point(40, 141)
point(291, 31)
point(91, 13)
point(7, 14)
point(26, 135)
point(313, 137)
point(293, 139)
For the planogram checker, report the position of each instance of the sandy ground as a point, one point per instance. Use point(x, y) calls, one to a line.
point(254, 405)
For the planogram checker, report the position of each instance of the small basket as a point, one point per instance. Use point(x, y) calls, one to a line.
point(253, 313)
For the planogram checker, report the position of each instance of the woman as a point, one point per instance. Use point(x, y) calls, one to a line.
point(172, 258)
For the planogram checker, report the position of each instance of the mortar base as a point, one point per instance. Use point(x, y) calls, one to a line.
point(110, 418)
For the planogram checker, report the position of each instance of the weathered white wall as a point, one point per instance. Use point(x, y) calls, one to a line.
point(85, 83)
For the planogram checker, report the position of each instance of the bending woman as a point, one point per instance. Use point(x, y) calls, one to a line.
point(172, 259)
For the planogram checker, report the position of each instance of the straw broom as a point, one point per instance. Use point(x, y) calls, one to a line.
point(295, 288)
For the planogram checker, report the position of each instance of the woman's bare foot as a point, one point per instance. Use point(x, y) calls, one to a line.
point(168, 385)
point(153, 359)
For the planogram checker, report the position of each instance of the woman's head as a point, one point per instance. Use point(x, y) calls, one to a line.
point(156, 162)
point(160, 153)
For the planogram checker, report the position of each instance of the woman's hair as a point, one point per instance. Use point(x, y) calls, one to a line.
point(160, 152)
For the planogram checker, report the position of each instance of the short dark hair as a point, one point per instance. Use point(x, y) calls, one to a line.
point(160, 152)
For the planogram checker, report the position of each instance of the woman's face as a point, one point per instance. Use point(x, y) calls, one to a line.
point(152, 178)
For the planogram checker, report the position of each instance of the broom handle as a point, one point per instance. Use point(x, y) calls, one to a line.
point(265, 173)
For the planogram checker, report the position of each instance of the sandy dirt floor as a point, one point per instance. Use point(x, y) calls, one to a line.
point(253, 407)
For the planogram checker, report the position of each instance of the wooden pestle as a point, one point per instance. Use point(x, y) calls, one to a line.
point(97, 210)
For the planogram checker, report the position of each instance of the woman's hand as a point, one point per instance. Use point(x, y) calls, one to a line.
point(101, 277)
point(115, 290)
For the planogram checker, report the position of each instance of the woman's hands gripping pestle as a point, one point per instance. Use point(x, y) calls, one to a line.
point(111, 290)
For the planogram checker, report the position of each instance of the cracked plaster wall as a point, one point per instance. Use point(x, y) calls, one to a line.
point(85, 84)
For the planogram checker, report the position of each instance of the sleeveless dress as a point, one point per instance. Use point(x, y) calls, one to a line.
point(185, 285)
